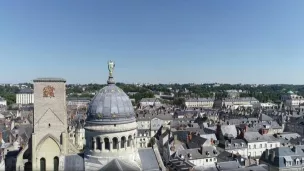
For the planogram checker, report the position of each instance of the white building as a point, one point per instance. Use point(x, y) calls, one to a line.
point(258, 143)
point(200, 102)
point(149, 102)
point(25, 96)
point(268, 105)
point(291, 99)
point(3, 102)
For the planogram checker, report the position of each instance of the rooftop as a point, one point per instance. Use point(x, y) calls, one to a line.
point(49, 79)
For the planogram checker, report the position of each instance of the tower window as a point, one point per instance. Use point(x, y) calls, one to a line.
point(49, 125)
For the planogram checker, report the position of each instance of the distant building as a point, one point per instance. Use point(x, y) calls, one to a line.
point(291, 99)
point(268, 105)
point(149, 102)
point(233, 93)
point(3, 102)
point(25, 96)
point(231, 103)
point(79, 102)
point(200, 102)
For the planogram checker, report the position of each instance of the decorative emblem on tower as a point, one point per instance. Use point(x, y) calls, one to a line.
point(48, 91)
point(111, 66)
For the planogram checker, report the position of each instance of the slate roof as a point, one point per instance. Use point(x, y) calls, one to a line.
point(111, 105)
point(148, 160)
point(283, 154)
point(229, 165)
point(119, 165)
point(208, 152)
point(74, 162)
point(264, 117)
point(229, 130)
point(149, 117)
point(234, 144)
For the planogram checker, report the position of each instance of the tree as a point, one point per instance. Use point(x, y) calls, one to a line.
point(152, 142)
point(179, 102)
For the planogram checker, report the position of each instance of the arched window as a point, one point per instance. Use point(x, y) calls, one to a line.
point(42, 164)
point(129, 141)
point(122, 142)
point(56, 163)
point(115, 143)
point(98, 143)
point(93, 143)
point(107, 143)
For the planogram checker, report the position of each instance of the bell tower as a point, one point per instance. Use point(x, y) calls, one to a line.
point(49, 138)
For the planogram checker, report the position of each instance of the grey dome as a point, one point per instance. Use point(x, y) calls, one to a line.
point(110, 105)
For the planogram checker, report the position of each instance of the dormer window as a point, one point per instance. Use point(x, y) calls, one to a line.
point(297, 161)
point(288, 161)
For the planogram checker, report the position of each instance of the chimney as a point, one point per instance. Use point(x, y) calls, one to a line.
point(294, 149)
point(175, 139)
point(201, 149)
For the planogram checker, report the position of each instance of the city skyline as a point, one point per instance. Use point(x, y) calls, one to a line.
point(175, 42)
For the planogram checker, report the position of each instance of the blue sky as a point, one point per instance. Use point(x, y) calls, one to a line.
point(153, 41)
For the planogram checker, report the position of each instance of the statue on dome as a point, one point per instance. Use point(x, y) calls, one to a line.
point(111, 66)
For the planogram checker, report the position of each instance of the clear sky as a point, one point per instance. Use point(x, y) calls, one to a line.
point(153, 41)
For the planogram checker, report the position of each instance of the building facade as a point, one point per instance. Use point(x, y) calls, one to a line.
point(200, 102)
point(25, 96)
point(291, 99)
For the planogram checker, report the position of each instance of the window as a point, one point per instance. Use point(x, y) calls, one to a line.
point(261, 146)
point(98, 143)
point(129, 141)
point(266, 145)
point(123, 141)
point(249, 146)
point(115, 143)
point(270, 145)
point(92, 144)
point(42, 164)
point(56, 163)
point(107, 143)
point(254, 146)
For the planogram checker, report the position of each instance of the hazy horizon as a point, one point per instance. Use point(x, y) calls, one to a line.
point(249, 42)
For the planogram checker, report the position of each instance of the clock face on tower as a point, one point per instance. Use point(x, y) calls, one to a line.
point(48, 91)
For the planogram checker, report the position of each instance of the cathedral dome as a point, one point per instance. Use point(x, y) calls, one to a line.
point(111, 105)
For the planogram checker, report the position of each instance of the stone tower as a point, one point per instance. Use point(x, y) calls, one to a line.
point(49, 138)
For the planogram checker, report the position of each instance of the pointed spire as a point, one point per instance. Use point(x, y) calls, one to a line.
point(111, 66)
